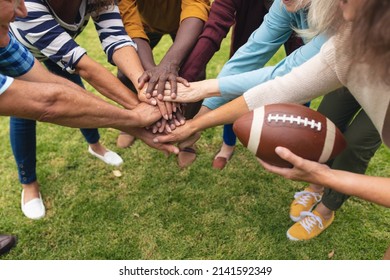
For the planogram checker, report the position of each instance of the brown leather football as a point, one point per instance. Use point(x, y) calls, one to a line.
point(305, 132)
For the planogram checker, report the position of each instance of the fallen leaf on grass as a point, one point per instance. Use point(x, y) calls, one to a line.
point(117, 173)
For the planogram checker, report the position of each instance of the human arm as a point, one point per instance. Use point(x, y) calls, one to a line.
point(220, 91)
point(263, 43)
point(298, 86)
point(217, 26)
point(74, 107)
point(192, 17)
point(374, 189)
point(47, 39)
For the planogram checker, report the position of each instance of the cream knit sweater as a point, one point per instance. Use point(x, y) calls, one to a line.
point(325, 72)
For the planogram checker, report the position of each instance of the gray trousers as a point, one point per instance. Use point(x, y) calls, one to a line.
point(362, 138)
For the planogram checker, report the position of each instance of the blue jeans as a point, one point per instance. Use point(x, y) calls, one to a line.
point(23, 135)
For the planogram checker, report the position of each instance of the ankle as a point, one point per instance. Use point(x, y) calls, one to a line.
point(31, 191)
point(325, 212)
point(316, 188)
point(98, 148)
point(226, 151)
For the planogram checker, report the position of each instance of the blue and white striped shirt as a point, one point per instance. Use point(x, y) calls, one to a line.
point(15, 60)
point(48, 37)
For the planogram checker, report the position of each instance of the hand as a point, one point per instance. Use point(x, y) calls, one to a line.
point(302, 170)
point(156, 78)
point(147, 138)
point(147, 114)
point(178, 135)
point(186, 92)
point(167, 126)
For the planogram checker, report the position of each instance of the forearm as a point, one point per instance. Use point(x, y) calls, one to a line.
point(225, 114)
point(63, 105)
point(221, 19)
point(106, 83)
point(145, 53)
point(185, 40)
point(374, 189)
point(128, 62)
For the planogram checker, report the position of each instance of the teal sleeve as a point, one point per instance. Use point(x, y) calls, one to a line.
point(234, 86)
point(263, 42)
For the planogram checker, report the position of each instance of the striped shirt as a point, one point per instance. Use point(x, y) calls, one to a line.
point(15, 60)
point(48, 37)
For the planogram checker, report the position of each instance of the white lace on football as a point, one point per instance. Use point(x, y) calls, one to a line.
point(310, 221)
point(303, 197)
point(298, 120)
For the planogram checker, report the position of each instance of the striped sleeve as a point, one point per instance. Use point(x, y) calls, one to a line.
point(45, 38)
point(111, 31)
point(5, 82)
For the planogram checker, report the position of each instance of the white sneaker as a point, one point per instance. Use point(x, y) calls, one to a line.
point(109, 157)
point(33, 209)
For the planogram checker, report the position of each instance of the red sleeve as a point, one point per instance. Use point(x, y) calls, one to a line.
point(221, 19)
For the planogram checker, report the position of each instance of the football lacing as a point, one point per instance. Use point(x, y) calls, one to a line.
point(292, 119)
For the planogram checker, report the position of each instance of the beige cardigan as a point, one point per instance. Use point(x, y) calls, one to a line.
point(325, 72)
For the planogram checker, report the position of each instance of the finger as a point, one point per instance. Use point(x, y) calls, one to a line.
point(161, 86)
point(287, 155)
point(177, 122)
point(274, 169)
point(152, 101)
point(163, 109)
point(154, 129)
point(183, 81)
point(163, 124)
point(151, 85)
point(164, 138)
point(174, 107)
point(143, 79)
point(169, 148)
point(168, 105)
point(173, 83)
point(172, 125)
point(168, 128)
point(180, 117)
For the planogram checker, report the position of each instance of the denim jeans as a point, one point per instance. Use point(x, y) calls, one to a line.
point(23, 135)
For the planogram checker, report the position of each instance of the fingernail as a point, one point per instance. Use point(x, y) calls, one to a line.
point(155, 140)
point(166, 116)
point(170, 116)
point(154, 102)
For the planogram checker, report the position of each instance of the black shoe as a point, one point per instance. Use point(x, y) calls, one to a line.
point(6, 243)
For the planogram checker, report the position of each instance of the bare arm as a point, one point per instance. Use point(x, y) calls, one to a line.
point(105, 82)
point(167, 70)
point(374, 189)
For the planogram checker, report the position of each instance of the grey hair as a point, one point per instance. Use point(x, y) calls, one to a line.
point(324, 16)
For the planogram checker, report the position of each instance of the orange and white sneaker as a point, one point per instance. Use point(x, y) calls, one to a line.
point(309, 227)
point(304, 201)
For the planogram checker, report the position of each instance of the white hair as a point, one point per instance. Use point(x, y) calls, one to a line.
point(324, 16)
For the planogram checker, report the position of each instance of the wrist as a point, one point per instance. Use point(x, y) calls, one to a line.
point(210, 88)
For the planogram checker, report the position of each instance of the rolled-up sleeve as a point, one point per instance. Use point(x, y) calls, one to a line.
point(112, 33)
point(195, 8)
point(132, 19)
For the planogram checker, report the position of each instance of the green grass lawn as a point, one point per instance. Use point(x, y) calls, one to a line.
point(157, 211)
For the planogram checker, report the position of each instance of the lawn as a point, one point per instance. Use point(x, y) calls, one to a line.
point(157, 211)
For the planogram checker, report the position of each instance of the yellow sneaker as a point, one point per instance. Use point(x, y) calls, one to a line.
point(304, 201)
point(309, 227)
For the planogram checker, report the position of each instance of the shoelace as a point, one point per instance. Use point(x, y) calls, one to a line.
point(303, 197)
point(310, 220)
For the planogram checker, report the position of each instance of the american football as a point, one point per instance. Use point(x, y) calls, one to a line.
point(305, 132)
